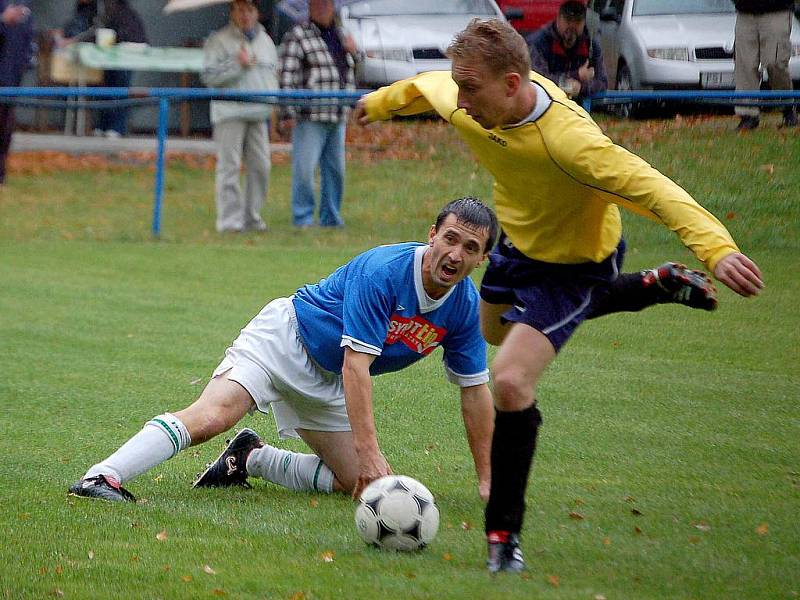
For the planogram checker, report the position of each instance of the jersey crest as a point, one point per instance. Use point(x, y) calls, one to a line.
point(416, 333)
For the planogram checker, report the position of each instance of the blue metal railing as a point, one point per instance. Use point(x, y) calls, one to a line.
point(56, 97)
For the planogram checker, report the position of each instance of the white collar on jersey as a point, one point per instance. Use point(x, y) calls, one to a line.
point(543, 102)
point(426, 303)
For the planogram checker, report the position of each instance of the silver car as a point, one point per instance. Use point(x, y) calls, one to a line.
point(671, 44)
point(401, 38)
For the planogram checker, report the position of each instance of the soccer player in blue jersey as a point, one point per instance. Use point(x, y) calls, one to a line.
point(310, 358)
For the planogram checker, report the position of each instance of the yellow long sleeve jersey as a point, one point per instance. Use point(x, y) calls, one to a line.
point(558, 179)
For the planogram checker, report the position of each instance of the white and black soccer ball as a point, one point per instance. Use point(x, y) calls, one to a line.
point(397, 512)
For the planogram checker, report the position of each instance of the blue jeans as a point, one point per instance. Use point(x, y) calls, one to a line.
point(316, 143)
point(115, 118)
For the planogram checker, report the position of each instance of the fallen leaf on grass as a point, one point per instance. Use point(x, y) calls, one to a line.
point(762, 529)
point(702, 525)
point(218, 592)
point(58, 593)
point(162, 535)
point(447, 556)
point(59, 569)
point(553, 580)
point(629, 499)
point(313, 503)
point(730, 215)
point(327, 556)
point(636, 512)
point(42, 570)
point(606, 541)
point(768, 169)
point(91, 555)
point(576, 516)
point(195, 382)
point(466, 525)
point(599, 597)
point(209, 570)
point(298, 596)
point(411, 575)
point(579, 502)
point(693, 539)
point(167, 568)
point(637, 531)
point(186, 578)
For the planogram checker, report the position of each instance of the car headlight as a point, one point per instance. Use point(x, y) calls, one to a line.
point(401, 54)
point(669, 53)
point(795, 49)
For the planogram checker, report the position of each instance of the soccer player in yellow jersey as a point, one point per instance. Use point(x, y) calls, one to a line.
point(558, 184)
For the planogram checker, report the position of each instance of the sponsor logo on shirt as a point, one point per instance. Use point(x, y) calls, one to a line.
point(497, 139)
point(419, 335)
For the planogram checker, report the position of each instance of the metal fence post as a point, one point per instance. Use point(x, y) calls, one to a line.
point(163, 121)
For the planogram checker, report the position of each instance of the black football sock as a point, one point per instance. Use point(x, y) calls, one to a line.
point(513, 445)
point(627, 294)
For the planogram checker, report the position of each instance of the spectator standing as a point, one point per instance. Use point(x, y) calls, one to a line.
point(564, 52)
point(317, 55)
point(763, 29)
point(241, 56)
point(16, 49)
point(128, 26)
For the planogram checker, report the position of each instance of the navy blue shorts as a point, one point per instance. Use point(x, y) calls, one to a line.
point(551, 298)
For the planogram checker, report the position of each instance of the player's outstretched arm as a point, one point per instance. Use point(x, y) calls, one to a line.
point(358, 397)
point(477, 410)
point(740, 274)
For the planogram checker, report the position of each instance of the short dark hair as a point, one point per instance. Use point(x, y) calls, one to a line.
point(573, 10)
point(471, 211)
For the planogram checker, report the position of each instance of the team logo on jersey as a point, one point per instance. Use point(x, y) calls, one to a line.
point(419, 335)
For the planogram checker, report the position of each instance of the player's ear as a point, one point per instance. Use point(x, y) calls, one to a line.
point(513, 83)
point(431, 235)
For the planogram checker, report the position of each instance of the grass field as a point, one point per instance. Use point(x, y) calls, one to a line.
point(669, 463)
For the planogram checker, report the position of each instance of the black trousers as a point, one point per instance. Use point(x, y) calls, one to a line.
point(6, 129)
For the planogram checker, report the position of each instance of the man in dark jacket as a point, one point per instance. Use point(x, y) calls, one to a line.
point(16, 44)
point(120, 16)
point(763, 28)
point(564, 52)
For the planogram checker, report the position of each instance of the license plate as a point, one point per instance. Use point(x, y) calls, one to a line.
point(722, 79)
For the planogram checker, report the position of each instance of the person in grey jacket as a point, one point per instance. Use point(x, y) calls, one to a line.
point(241, 56)
point(763, 29)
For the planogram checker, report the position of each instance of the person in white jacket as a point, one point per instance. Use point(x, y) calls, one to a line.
point(241, 56)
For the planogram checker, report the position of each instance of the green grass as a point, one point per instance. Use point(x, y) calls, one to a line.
point(674, 434)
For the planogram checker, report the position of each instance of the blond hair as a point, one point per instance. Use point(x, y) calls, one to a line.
point(494, 43)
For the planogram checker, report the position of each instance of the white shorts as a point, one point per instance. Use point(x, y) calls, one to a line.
point(269, 360)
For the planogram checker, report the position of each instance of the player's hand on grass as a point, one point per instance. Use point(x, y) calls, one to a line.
point(372, 466)
point(740, 274)
point(483, 489)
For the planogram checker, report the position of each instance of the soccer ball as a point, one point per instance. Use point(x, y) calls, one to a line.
point(397, 513)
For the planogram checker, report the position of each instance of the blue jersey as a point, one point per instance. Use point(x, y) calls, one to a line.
point(376, 304)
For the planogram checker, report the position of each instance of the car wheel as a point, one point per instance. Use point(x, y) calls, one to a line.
point(624, 84)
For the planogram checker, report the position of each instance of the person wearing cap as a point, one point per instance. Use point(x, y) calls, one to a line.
point(763, 29)
point(241, 56)
point(563, 51)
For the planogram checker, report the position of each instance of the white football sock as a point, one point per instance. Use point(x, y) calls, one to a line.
point(302, 472)
point(160, 439)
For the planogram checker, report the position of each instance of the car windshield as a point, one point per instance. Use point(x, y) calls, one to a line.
point(382, 8)
point(643, 8)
